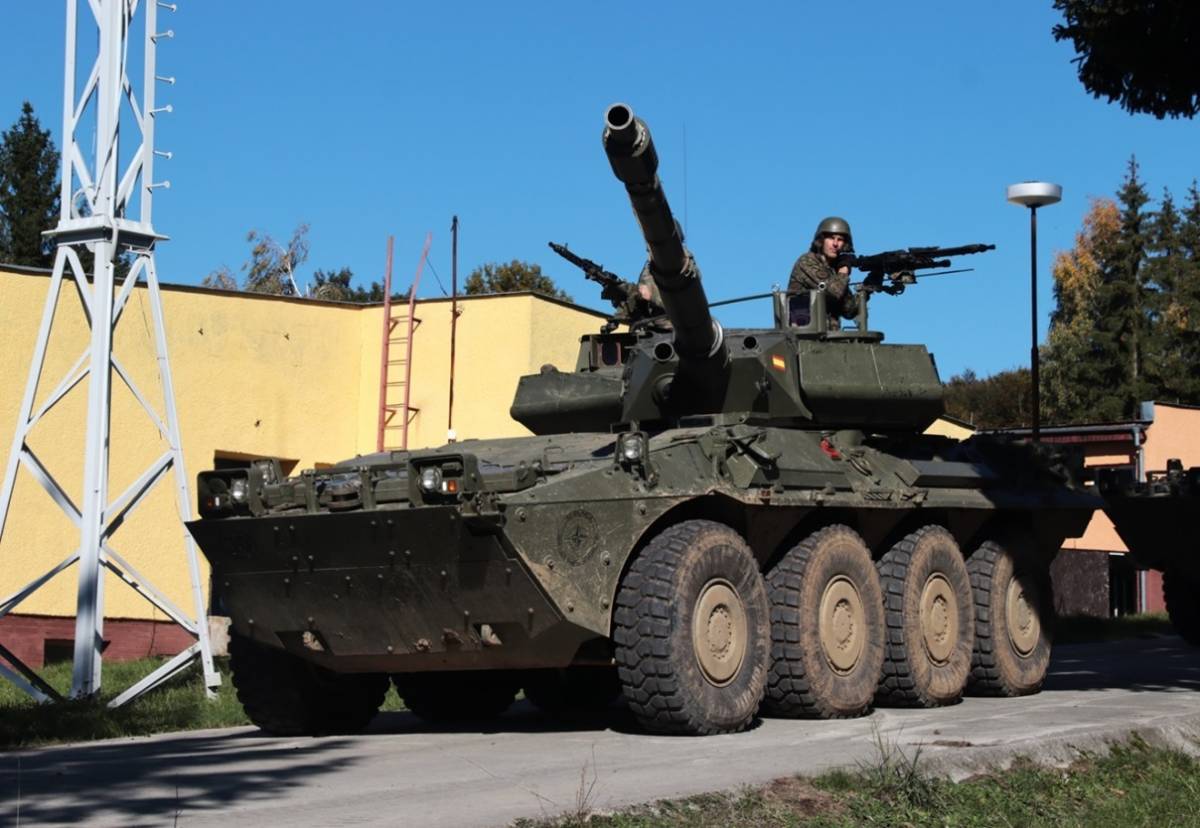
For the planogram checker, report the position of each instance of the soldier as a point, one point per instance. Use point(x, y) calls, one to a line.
point(818, 268)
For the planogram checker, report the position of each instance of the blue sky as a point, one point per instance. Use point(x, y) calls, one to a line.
point(373, 118)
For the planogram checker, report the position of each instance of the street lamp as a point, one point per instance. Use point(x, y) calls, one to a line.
point(1034, 194)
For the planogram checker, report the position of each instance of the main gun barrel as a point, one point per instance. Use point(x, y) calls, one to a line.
point(634, 161)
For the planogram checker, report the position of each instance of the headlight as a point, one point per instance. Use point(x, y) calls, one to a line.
point(238, 489)
point(633, 447)
point(431, 479)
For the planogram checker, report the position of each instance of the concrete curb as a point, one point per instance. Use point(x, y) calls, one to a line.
point(959, 761)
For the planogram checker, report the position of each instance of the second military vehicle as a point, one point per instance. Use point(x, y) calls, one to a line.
point(706, 522)
point(1154, 519)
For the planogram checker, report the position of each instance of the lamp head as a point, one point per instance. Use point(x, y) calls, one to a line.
point(1034, 193)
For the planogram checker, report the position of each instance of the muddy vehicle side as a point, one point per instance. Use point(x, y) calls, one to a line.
point(1154, 519)
point(706, 522)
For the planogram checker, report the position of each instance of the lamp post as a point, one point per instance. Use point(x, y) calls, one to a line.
point(1034, 194)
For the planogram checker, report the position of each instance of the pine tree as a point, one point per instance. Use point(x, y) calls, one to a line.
point(1173, 313)
point(29, 201)
point(1123, 321)
point(1176, 269)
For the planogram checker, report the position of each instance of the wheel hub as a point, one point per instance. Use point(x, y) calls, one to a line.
point(719, 632)
point(939, 618)
point(841, 624)
point(1024, 626)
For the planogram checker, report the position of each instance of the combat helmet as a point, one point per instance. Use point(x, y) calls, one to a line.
point(833, 224)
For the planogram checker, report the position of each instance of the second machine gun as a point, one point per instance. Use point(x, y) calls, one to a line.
point(626, 297)
point(898, 266)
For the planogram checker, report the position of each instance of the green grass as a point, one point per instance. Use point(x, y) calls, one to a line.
point(180, 704)
point(1080, 629)
point(1133, 785)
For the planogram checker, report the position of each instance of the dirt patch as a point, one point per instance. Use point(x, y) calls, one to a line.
point(801, 798)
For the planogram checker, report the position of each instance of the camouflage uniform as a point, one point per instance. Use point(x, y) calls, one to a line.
point(647, 279)
point(810, 271)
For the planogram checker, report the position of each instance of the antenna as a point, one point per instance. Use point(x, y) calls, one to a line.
point(685, 223)
point(106, 213)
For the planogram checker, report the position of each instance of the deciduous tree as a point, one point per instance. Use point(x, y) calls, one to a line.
point(1003, 400)
point(222, 279)
point(510, 278)
point(272, 267)
point(335, 286)
point(1078, 363)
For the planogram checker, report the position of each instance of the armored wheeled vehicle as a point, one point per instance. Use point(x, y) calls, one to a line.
point(709, 523)
point(1153, 518)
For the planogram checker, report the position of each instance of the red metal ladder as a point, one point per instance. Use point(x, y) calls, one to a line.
point(398, 331)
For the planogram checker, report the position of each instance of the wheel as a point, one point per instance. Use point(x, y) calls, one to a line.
point(460, 696)
point(573, 691)
point(1180, 593)
point(692, 633)
point(1013, 619)
point(286, 696)
point(929, 614)
point(826, 628)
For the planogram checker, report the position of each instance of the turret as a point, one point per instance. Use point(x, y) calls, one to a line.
point(656, 376)
point(697, 336)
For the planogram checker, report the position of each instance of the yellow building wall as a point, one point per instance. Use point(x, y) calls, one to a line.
point(254, 376)
point(1174, 433)
point(498, 340)
point(943, 427)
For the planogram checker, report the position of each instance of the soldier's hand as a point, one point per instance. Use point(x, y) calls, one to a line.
point(873, 282)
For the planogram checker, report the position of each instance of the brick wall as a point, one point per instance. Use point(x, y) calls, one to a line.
point(1080, 579)
point(31, 637)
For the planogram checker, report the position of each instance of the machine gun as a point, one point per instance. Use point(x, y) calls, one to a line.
point(614, 288)
point(898, 265)
point(625, 297)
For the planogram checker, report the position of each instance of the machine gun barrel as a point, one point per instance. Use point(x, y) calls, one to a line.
point(912, 258)
point(591, 270)
point(634, 161)
point(962, 250)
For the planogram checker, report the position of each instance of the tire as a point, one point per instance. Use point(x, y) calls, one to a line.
point(692, 632)
point(1014, 619)
point(573, 691)
point(929, 612)
point(1179, 591)
point(459, 696)
point(826, 628)
point(286, 696)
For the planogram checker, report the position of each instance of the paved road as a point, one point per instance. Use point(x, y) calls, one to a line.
point(404, 773)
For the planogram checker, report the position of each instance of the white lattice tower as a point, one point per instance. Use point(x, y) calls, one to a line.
point(107, 202)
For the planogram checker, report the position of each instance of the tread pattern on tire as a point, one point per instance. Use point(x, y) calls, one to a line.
point(898, 686)
point(790, 690)
point(987, 675)
point(642, 626)
point(285, 696)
